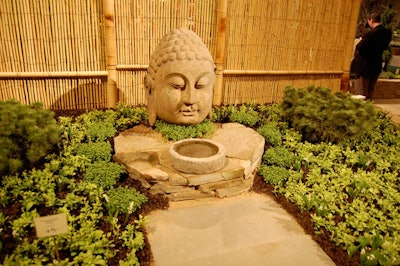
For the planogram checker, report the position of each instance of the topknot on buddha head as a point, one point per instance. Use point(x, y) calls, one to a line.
point(179, 45)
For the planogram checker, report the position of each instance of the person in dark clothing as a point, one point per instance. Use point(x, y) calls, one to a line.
point(369, 55)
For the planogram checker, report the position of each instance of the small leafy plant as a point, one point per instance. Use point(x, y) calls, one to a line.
point(123, 200)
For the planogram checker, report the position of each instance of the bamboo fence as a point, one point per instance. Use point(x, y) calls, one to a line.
point(76, 54)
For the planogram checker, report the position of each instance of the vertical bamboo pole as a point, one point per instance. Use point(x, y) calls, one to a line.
point(220, 52)
point(111, 53)
point(351, 32)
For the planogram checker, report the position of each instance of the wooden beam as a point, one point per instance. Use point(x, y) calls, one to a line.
point(53, 75)
point(220, 52)
point(111, 53)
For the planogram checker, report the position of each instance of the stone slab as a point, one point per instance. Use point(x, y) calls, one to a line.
point(250, 229)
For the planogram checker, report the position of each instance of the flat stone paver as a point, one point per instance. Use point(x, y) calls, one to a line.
point(249, 229)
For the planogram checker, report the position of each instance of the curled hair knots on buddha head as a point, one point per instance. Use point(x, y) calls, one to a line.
point(179, 45)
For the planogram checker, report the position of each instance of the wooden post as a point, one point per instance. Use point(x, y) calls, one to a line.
point(351, 34)
point(111, 53)
point(220, 53)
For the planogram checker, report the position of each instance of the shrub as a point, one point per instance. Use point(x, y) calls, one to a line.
point(271, 134)
point(96, 151)
point(28, 133)
point(278, 156)
point(321, 116)
point(103, 174)
point(177, 132)
point(274, 175)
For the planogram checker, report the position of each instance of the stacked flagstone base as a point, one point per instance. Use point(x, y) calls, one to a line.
point(145, 156)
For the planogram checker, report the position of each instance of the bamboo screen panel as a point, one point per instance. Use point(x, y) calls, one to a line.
point(58, 37)
point(141, 24)
point(284, 35)
point(293, 42)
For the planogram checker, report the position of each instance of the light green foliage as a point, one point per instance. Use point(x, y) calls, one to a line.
point(103, 174)
point(271, 133)
point(54, 188)
point(352, 191)
point(274, 175)
point(95, 151)
point(221, 113)
point(245, 115)
point(128, 116)
point(270, 113)
point(389, 75)
point(124, 200)
point(177, 132)
point(28, 133)
point(100, 131)
point(322, 116)
point(278, 156)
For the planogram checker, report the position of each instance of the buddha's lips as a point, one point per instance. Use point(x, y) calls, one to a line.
point(189, 111)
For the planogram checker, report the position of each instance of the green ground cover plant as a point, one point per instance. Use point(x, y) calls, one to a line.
point(177, 132)
point(345, 177)
point(349, 182)
point(74, 181)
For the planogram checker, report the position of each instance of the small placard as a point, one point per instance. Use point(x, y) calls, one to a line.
point(51, 225)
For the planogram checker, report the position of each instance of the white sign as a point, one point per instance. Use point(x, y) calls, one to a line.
point(51, 225)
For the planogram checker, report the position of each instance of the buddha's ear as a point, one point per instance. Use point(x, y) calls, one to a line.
point(151, 109)
point(150, 102)
point(152, 116)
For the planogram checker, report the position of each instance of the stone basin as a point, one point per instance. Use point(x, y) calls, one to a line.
point(197, 156)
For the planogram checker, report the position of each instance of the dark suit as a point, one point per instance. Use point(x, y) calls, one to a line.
point(371, 48)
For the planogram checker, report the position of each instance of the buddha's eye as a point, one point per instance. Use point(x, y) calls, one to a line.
point(176, 82)
point(202, 82)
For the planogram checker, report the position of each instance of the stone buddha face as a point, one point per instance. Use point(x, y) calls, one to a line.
point(180, 80)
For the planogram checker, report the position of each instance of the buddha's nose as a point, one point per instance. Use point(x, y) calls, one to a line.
point(189, 95)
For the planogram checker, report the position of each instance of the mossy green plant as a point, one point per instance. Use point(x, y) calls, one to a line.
point(178, 132)
point(271, 133)
point(274, 175)
point(104, 174)
point(278, 156)
point(96, 151)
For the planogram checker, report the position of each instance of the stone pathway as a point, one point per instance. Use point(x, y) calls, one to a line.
point(249, 229)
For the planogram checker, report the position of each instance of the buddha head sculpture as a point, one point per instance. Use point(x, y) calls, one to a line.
point(180, 80)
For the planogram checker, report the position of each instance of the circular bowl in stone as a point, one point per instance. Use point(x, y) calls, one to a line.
point(197, 156)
